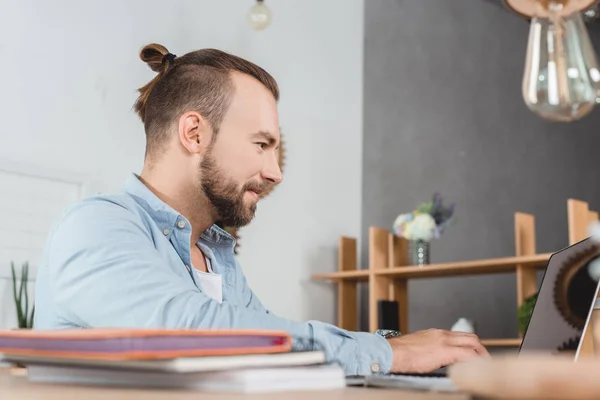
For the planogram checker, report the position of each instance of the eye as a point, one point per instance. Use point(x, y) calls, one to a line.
point(262, 145)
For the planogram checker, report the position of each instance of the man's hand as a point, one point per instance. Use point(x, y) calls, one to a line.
point(426, 351)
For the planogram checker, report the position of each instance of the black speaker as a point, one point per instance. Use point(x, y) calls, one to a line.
point(388, 315)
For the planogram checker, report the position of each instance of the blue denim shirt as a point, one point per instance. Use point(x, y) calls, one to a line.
point(123, 260)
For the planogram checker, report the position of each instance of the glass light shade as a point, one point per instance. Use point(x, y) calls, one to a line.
point(259, 16)
point(561, 76)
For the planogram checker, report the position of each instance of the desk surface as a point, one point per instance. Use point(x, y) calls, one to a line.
point(16, 387)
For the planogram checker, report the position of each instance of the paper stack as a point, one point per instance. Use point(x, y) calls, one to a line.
point(232, 361)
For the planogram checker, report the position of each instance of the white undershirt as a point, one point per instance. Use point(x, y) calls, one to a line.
point(210, 283)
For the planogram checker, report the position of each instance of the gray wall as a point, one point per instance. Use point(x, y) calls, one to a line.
point(443, 112)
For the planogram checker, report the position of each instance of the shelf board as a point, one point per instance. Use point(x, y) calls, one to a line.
point(356, 275)
point(501, 342)
point(477, 267)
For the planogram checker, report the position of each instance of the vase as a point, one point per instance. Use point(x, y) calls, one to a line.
point(418, 252)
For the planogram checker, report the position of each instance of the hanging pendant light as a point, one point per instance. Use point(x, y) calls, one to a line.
point(259, 16)
point(561, 80)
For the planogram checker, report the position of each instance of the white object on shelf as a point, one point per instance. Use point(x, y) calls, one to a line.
point(463, 325)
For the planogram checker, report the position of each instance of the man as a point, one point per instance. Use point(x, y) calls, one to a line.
point(152, 256)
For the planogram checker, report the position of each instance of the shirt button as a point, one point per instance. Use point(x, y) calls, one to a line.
point(181, 224)
point(165, 231)
point(188, 268)
point(375, 368)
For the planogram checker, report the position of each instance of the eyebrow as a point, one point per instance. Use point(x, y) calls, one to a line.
point(268, 136)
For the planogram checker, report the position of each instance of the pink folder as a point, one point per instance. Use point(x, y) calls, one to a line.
point(124, 344)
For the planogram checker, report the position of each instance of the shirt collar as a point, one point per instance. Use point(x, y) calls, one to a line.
point(165, 216)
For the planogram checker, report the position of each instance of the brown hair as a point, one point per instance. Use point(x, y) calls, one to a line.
point(198, 81)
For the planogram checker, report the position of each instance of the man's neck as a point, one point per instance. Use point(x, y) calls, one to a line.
point(177, 195)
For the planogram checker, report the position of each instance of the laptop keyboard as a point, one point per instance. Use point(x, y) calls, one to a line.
point(427, 374)
point(359, 379)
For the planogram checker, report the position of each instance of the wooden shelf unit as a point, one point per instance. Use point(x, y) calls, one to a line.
point(501, 342)
point(388, 272)
point(476, 267)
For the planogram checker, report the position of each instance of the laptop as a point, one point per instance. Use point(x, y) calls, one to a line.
point(560, 316)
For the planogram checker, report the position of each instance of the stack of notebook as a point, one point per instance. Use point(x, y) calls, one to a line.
point(234, 361)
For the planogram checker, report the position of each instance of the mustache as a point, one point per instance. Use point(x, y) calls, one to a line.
point(256, 187)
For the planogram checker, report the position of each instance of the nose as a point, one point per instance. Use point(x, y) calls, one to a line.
point(271, 171)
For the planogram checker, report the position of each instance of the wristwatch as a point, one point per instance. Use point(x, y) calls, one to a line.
point(387, 333)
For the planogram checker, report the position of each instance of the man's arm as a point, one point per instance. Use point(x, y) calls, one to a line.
point(105, 272)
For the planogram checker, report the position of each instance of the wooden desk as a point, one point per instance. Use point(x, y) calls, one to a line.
point(19, 388)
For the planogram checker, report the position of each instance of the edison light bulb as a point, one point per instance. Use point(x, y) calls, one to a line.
point(259, 16)
point(561, 72)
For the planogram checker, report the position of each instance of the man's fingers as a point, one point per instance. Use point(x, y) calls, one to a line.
point(462, 341)
point(468, 341)
point(464, 353)
point(458, 333)
point(482, 351)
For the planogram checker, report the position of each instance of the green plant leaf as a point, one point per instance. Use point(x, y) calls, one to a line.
point(16, 298)
point(425, 208)
point(24, 279)
point(524, 312)
point(30, 325)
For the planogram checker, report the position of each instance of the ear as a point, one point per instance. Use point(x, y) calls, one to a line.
point(195, 133)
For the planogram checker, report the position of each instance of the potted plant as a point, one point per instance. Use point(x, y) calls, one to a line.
point(21, 297)
point(524, 313)
point(419, 227)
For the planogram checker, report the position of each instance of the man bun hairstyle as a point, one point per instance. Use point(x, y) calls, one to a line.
point(197, 81)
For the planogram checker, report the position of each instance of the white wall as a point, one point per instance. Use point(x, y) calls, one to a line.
point(69, 71)
point(27, 211)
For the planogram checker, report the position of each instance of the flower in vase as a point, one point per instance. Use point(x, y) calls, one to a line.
point(423, 227)
point(429, 220)
point(401, 224)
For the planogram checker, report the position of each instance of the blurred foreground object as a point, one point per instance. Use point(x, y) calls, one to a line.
point(529, 377)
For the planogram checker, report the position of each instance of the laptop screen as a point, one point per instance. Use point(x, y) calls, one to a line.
point(564, 302)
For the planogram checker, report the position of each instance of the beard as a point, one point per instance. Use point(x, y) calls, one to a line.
point(225, 195)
